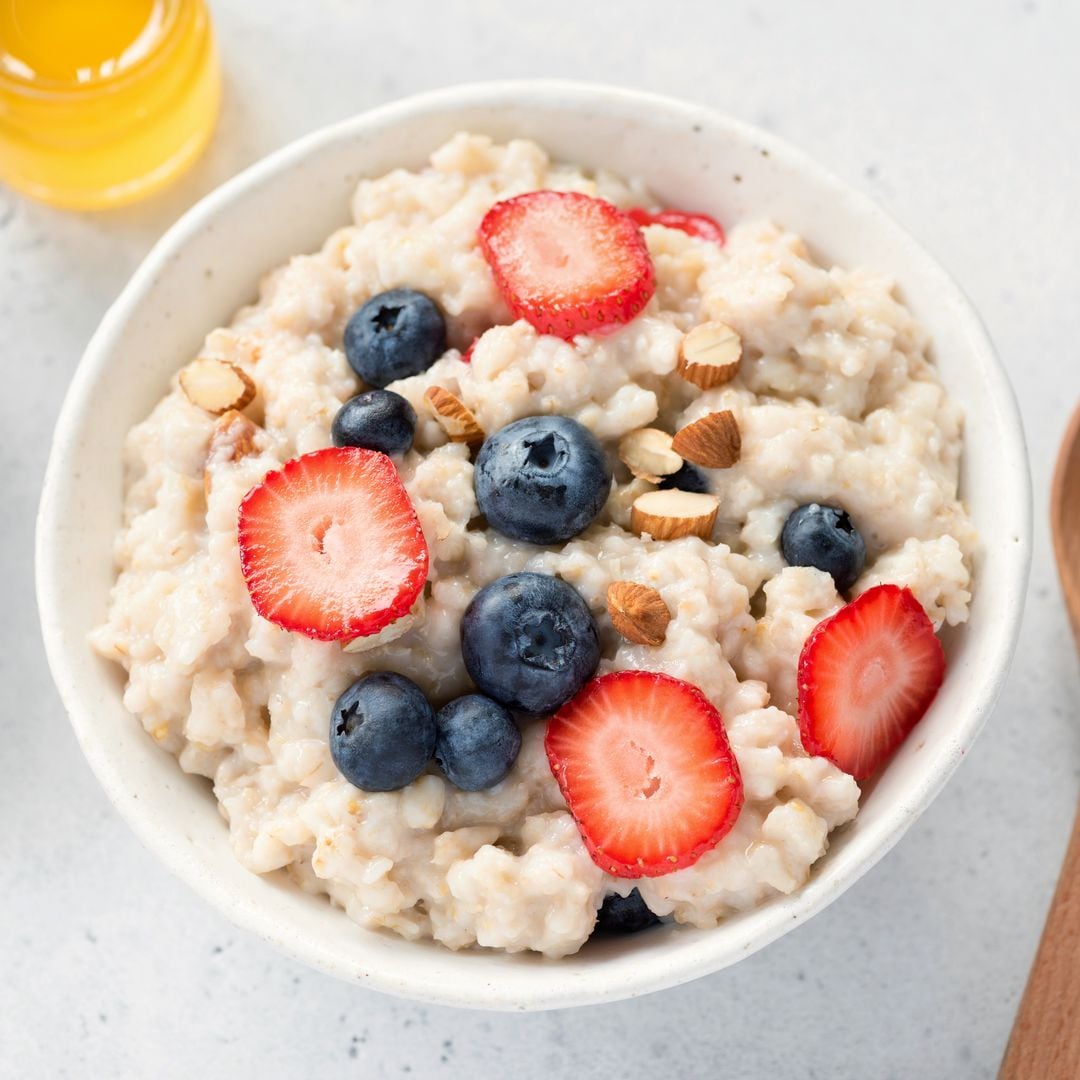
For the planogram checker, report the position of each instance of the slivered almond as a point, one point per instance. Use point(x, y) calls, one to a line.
point(713, 441)
point(216, 385)
point(233, 438)
point(388, 633)
point(454, 416)
point(710, 355)
point(667, 515)
point(638, 612)
point(648, 455)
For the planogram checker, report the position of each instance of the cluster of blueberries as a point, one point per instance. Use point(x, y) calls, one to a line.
point(529, 641)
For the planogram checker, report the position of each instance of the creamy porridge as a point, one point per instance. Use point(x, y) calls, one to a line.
point(834, 403)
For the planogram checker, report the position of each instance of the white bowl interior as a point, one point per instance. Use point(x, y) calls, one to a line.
point(209, 264)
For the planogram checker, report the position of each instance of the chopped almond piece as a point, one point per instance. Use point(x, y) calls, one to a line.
point(671, 513)
point(216, 385)
point(638, 612)
point(648, 455)
point(710, 355)
point(713, 441)
point(233, 438)
point(455, 418)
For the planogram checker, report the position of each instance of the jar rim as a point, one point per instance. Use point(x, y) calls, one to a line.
point(58, 90)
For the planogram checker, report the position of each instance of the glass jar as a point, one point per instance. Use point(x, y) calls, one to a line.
point(103, 101)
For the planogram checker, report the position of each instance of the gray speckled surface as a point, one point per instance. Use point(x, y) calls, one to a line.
point(956, 117)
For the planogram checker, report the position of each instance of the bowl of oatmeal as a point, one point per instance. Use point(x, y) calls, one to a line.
point(531, 544)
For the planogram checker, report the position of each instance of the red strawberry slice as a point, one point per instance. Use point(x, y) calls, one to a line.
point(866, 677)
point(700, 225)
point(466, 356)
point(644, 764)
point(330, 544)
point(566, 262)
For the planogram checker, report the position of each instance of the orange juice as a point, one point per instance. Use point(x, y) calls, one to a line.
point(102, 101)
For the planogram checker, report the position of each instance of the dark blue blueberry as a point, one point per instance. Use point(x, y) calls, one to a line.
point(824, 537)
point(394, 335)
point(477, 742)
point(688, 478)
point(382, 732)
point(529, 642)
point(624, 914)
point(377, 420)
point(542, 479)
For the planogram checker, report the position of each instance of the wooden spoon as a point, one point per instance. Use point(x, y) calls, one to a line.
point(1045, 1040)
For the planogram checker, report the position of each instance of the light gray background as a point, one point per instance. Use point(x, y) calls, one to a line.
point(960, 117)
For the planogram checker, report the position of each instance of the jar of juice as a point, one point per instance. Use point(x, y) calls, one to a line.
point(103, 101)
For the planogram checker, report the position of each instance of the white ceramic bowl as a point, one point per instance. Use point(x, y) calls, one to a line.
point(208, 264)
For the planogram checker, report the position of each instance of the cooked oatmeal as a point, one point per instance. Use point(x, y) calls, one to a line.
point(835, 399)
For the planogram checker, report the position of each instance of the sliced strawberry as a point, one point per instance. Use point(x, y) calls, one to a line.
point(700, 225)
point(568, 263)
point(330, 544)
point(466, 356)
point(866, 677)
point(645, 766)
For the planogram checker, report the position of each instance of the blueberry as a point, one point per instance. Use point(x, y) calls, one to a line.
point(382, 732)
point(624, 914)
point(394, 335)
point(529, 642)
point(824, 536)
point(688, 478)
point(377, 420)
point(476, 743)
point(542, 479)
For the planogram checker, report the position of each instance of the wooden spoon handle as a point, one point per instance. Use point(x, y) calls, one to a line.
point(1045, 1040)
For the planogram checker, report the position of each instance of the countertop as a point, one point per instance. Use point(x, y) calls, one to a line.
point(959, 118)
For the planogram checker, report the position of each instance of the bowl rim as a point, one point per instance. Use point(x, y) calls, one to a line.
point(541, 993)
